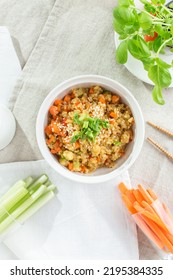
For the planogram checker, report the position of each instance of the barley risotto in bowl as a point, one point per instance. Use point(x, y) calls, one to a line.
point(90, 129)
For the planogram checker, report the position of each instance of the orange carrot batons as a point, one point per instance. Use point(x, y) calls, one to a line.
point(128, 204)
point(152, 194)
point(145, 194)
point(122, 188)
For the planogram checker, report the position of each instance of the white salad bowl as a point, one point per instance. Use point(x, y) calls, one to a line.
point(133, 148)
point(135, 66)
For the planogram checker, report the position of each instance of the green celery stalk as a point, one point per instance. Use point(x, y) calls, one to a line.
point(37, 183)
point(51, 187)
point(48, 183)
point(29, 180)
point(13, 189)
point(21, 208)
point(39, 203)
point(9, 202)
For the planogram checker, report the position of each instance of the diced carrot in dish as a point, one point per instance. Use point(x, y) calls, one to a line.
point(67, 98)
point(51, 140)
point(102, 100)
point(53, 151)
point(77, 145)
point(115, 98)
point(58, 102)
point(54, 111)
point(56, 146)
point(48, 130)
point(72, 95)
point(112, 121)
point(98, 159)
point(77, 103)
point(113, 115)
point(70, 166)
point(56, 129)
point(91, 91)
point(83, 169)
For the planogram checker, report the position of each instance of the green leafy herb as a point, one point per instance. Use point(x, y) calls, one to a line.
point(89, 127)
point(121, 53)
point(145, 33)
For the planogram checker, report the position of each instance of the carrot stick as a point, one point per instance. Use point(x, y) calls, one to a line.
point(139, 197)
point(145, 194)
point(152, 194)
point(122, 188)
point(149, 233)
point(130, 195)
point(169, 236)
point(167, 210)
point(159, 233)
point(149, 215)
point(128, 204)
point(148, 207)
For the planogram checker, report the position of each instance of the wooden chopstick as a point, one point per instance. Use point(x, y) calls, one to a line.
point(159, 147)
point(165, 131)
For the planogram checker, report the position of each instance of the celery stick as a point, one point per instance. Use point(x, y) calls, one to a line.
point(36, 206)
point(27, 203)
point(24, 206)
point(13, 189)
point(37, 183)
point(51, 187)
point(3, 213)
point(9, 202)
point(29, 180)
point(48, 183)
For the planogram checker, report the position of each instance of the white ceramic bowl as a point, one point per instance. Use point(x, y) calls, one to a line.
point(135, 66)
point(133, 148)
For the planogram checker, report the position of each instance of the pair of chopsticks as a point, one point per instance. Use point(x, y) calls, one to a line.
point(158, 146)
point(150, 214)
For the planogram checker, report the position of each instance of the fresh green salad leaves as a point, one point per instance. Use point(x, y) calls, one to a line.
point(89, 127)
point(145, 34)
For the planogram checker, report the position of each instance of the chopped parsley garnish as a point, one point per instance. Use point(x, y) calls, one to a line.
point(90, 127)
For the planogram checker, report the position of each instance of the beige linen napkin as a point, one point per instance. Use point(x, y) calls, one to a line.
point(78, 38)
point(25, 20)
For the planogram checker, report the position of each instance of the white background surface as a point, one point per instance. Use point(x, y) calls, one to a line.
point(82, 222)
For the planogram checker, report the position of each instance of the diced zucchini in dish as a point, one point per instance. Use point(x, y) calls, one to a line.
point(68, 155)
point(63, 161)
